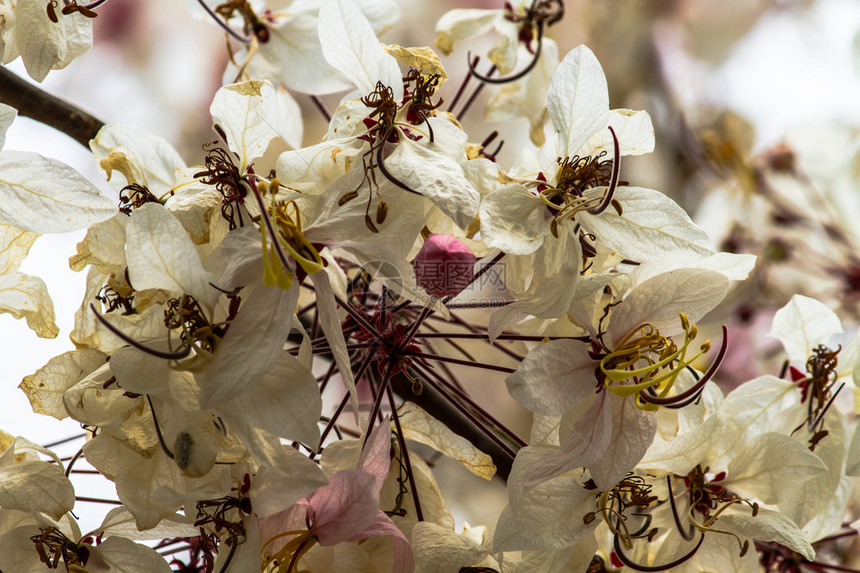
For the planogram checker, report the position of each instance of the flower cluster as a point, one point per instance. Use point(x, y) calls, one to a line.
point(225, 300)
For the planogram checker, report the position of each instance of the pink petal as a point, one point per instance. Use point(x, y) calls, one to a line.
point(290, 519)
point(376, 455)
point(404, 560)
point(344, 507)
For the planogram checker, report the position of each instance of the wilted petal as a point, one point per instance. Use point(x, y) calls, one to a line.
point(45, 388)
point(375, 457)
point(661, 299)
point(7, 114)
point(683, 452)
point(767, 525)
point(119, 521)
point(513, 220)
point(419, 426)
point(286, 402)
point(650, 228)
point(330, 323)
point(632, 432)
point(548, 516)
point(27, 297)
point(431, 172)
point(404, 561)
point(770, 466)
point(251, 115)
point(151, 155)
point(460, 24)
point(633, 129)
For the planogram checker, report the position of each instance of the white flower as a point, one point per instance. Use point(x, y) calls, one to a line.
point(601, 387)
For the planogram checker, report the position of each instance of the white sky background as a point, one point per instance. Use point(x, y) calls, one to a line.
point(791, 69)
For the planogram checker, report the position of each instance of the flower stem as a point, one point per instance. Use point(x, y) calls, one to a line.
point(405, 453)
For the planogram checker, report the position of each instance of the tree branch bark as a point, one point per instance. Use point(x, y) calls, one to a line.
point(432, 402)
point(35, 103)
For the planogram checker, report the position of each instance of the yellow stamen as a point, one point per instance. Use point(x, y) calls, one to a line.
point(706, 527)
point(274, 273)
point(618, 365)
point(290, 554)
point(620, 528)
point(292, 239)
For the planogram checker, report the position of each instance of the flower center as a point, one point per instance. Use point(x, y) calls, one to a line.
point(287, 227)
point(286, 559)
point(644, 359)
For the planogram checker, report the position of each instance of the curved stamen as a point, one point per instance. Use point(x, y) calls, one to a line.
point(292, 239)
point(687, 535)
point(229, 558)
point(522, 73)
point(707, 525)
point(232, 292)
point(95, 4)
point(613, 181)
point(294, 549)
point(646, 525)
point(827, 407)
point(264, 215)
point(654, 568)
point(75, 458)
point(236, 35)
point(158, 433)
point(691, 394)
point(423, 117)
point(389, 176)
point(134, 343)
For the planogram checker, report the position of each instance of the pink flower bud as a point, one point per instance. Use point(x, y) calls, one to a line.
point(444, 266)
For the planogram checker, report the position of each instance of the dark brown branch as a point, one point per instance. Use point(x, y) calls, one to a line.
point(432, 402)
point(33, 102)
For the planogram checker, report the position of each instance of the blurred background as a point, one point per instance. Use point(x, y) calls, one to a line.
point(755, 106)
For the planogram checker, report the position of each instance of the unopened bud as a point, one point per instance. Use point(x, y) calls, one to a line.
point(444, 266)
